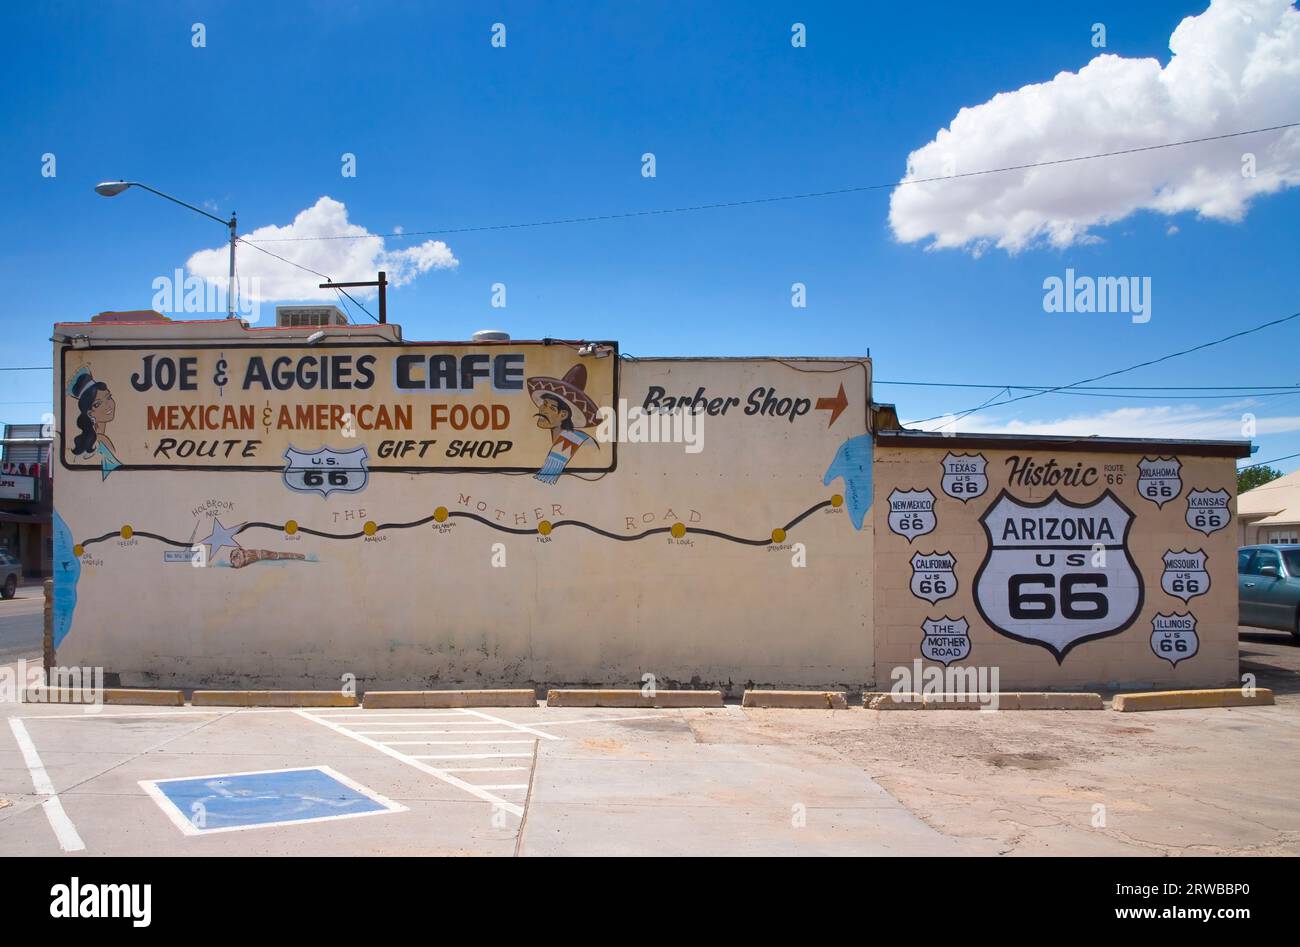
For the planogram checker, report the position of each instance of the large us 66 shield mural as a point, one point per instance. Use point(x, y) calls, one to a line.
point(1058, 573)
point(1073, 550)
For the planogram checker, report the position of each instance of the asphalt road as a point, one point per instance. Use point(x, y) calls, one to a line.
point(1273, 657)
point(21, 624)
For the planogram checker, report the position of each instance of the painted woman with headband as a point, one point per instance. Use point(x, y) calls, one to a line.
point(96, 407)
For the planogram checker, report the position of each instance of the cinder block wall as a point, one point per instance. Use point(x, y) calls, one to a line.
point(1124, 658)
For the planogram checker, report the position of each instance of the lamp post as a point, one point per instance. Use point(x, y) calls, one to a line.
point(114, 188)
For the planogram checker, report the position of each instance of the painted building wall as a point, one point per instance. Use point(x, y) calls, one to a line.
point(971, 570)
point(747, 561)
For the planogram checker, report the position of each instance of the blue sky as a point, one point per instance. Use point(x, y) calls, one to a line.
point(450, 132)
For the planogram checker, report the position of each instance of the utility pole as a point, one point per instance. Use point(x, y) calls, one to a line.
point(382, 283)
point(230, 285)
point(114, 188)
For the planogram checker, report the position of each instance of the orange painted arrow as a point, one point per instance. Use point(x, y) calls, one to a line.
point(834, 405)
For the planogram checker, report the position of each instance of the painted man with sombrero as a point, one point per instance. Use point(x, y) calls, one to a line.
point(563, 407)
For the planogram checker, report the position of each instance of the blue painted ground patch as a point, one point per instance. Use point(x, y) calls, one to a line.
point(228, 801)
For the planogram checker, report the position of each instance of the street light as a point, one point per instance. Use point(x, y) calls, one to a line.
point(114, 188)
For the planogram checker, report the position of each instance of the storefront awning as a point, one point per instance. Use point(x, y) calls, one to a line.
point(34, 518)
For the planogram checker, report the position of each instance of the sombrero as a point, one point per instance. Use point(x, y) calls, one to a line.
point(568, 389)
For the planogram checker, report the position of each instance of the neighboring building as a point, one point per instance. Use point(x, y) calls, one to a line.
point(1270, 513)
point(25, 499)
point(129, 316)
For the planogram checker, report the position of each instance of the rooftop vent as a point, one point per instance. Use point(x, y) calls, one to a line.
point(295, 317)
point(491, 335)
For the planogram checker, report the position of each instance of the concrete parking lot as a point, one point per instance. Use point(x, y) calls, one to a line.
point(541, 781)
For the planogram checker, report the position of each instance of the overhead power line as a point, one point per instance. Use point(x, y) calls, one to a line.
point(326, 277)
point(357, 301)
point(1171, 392)
point(284, 259)
point(256, 245)
point(1242, 389)
point(720, 205)
point(1175, 392)
point(343, 292)
point(1118, 371)
point(1265, 463)
point(963, 384)
point(1168, 397)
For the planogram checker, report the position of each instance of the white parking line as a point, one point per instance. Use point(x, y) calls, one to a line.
point(517, 726)
point(407, 733)
point(63, 828)
point(453, 742)
point(375, 716)
point(556, 723)
point(426, 723)
point(388, 748)
point(485, 769)
point(474, 756)
point(158, 713)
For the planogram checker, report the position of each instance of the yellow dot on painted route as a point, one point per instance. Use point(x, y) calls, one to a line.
point(837, 500)
point(544, 527)
point(78, 549)
point(678, 530)
point(291, 527)
point(440, 514)
point(778, 535)
point(370, 527)
point(127, 532)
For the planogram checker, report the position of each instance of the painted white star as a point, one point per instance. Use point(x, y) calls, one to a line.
point(219, 538)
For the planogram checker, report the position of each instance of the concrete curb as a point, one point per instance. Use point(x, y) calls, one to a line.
point(272, 699)
point(565, 697)
point(938, 702)
point(1191, 700)
point(1047, 700)
point(376, 700)
point(110, 695)
point(801, 700)
point(1007, 700)
point(875, 700)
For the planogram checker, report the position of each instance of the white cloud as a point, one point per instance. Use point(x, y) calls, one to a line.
point(1217, 422)
point(343, 260)
point(1234, 67)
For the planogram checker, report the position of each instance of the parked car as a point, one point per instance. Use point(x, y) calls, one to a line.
point(10, 573)
point(1268, 587)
